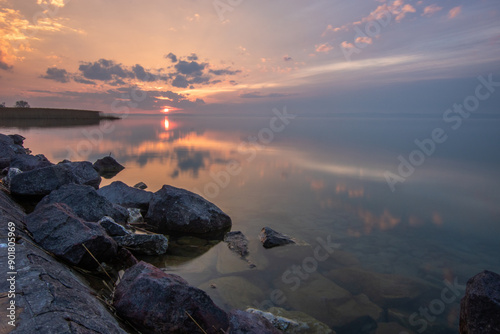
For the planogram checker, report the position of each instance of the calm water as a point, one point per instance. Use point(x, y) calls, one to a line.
point(319, 178)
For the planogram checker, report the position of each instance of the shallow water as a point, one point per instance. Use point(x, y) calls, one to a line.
point(391, 252)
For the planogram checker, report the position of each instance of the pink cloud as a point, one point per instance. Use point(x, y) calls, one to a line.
point(365, 40)
point(431, 10)
point(347, 45)
point(325, 47)
point(454, 12)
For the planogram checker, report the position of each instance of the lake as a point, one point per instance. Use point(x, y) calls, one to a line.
point(392, 214)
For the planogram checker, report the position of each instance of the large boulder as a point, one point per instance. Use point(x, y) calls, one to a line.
point(58, 230)
point(42, 181)
point(9, 147)
point(144, 244)
point(245, 323)
point(271, 238)
point(157, 302)
point(177, 210)
point(85, 202)
point(108, 167)
point(129, 197)
point(480, 307)
point(27, 162)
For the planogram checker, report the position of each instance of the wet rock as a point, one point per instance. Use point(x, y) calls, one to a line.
point(244, 322)
point(307, 324)
point(58, 230)
point(283, 324)
point(112, 228)
point(144, 244)
point(383, 289)
point(237, 242)
point(27, 162)
point(134, 216)
point(129, 197)
point(42, 181)
point(85, 202)
point(141, 185)
point(179, 210)
point(50, 297)
point(230, 292)
point(270, 238)
point(156, 302)
point(480, 307)
point(17, 139)
point(107, 167)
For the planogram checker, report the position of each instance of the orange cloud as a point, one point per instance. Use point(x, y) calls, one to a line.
point(325, 47)
point(454, 12)
point(365, 40)
point(431, 10)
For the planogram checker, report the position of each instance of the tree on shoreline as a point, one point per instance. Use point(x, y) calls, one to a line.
point(22, 104)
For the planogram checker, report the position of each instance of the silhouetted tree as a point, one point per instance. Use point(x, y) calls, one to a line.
point(22, 104)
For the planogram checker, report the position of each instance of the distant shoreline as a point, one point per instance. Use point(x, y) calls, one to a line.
point(52, 113)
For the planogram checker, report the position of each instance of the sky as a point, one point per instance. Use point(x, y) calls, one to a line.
point(235, 56)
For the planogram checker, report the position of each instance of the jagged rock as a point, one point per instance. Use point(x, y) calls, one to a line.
point(141, 185)
point(42, 181)
point(108, 167)
point(283, 324)
point(57, 229)
point(134, 216)
point(237, 242)
point(17, 139)
point(307, 324)
point(10, 174)
point(157, 302)
point(129, 197)
point(480, 307)
point(179, 210)
point(244, 322)
point(145, 244)
point(27, 162)
point(270, 238)
point(50, 297)
point(112, 228)
point(9, 149)
point(85, 202)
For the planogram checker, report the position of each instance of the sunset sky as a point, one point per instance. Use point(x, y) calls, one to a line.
point(321, 56)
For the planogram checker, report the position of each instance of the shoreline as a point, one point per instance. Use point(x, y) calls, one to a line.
point(12, 113)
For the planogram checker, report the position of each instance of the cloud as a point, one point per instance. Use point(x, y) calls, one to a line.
point(259, 95)
point(454, 12)
point(325, 48)
point(287, 58)
point(83, 81)
point(364, 39)
point(105, 70)
point(347, 45)
point(172, 57)
point(56, 74)
point(180, 81)
point(3, 64)
point(224, 72)
point(431, 10)
point(143, 75)
point(190, 68)
point(193, 56)
point(56, 3)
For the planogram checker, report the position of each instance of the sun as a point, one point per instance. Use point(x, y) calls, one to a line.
point(166, 110)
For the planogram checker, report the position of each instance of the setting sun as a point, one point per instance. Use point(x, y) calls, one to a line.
point(166, 110)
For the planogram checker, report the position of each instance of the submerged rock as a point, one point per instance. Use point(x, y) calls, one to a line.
point(283, 324)
point(107, 167)
point(244, 322)
point(306, 323)
point(42, 181)
point(144, 244)
point(480, 307)
point(157, 302)
point(237, 242)
point(178, 210)
point(270, 238)
point(129, 197)
point(58, 230)
point(85, 202)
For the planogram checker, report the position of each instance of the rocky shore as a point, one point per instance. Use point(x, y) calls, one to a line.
point(70, 257)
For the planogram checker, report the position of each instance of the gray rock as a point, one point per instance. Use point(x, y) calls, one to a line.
point(129, 197)
point(480, 307)
point(179, 210)
point(270, 238)
point(112, 228)
point(108, 167)
point(50, 297)
point(134, 216)
point(144, 244)
point(10, 174)
point(141, 185)
point(27, 162)
point(42, 181)
point(157, 302)
point(283, 324)
point(9, 149)
point(58, 230)
point(237, 242)
point(243, 322)
point(17, 139)
point(85, 202)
